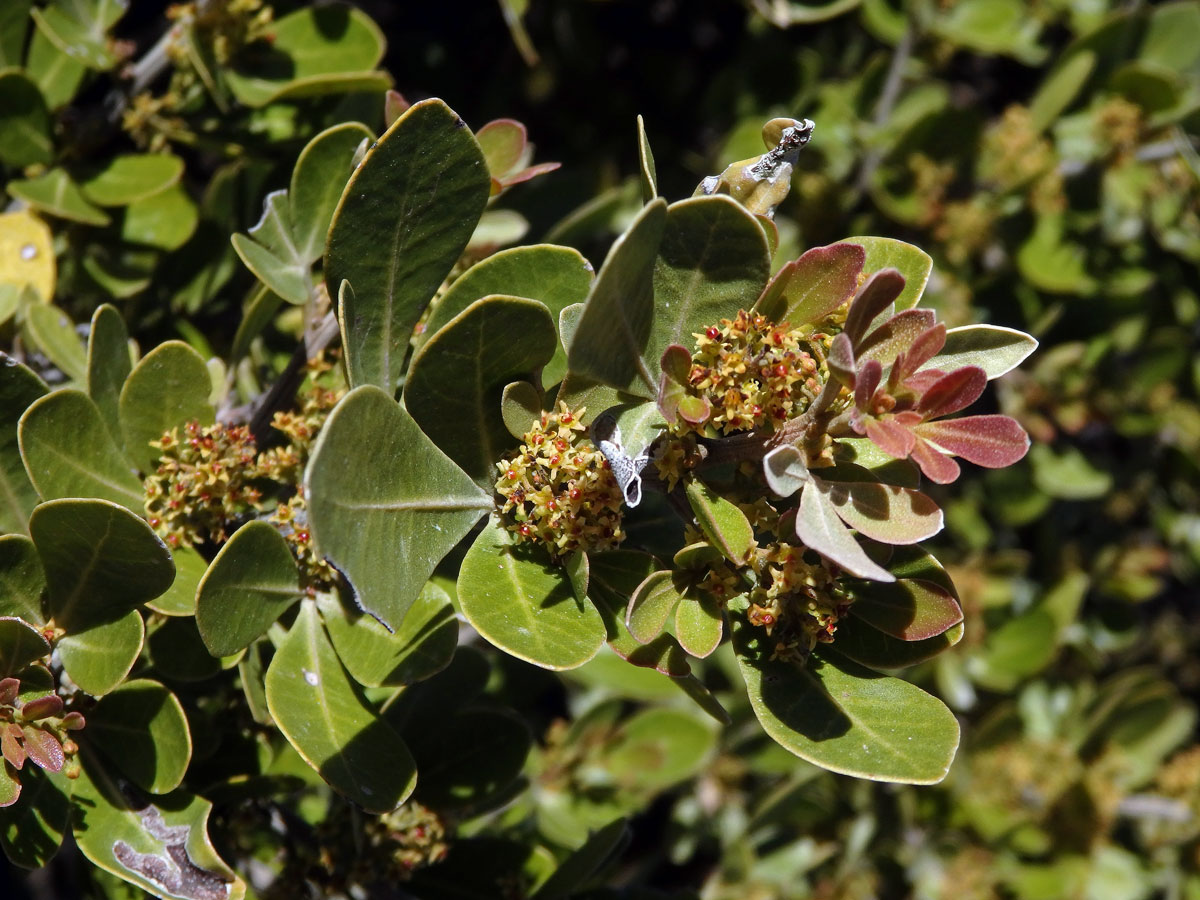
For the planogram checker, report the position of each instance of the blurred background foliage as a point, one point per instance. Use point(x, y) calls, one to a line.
point(1044, 153)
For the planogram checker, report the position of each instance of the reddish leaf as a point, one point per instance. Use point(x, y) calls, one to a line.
point(989, 441)
point(923, 349)
point(41, 707)
point(503, 142)
point(9, 688)
point(394, 105)
point(891, 437)
point(936, 466)
point(877, 294)
point(73, 721)
point(10, 745)
point(865, 384)
point(529, 173)
point(952, 392)
point(895, 336)
point(841, 360)
point(816, 283)
point(43, 748)
point(676, 363)
point(909, 609)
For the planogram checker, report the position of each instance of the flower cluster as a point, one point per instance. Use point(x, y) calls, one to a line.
point(291, 519)
point(752, 372)
point(798, 602)
point(558, 489)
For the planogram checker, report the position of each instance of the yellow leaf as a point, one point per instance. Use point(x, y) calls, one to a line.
point(26, 253)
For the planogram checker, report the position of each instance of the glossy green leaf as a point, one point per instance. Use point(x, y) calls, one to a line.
point(608, 346)
point(252, 581)
point(912, 262)
point(32, 831)
point(271, 253)
point(162, 847)
point(312, 51)
point(55, 193)
point(471, 757)
point(389, 519)
point(520, 408)
point(180, 598)
point(100, 559)
point(57, 74)
point(404, 218)
point(845, 718)
point(521, 602)
point(22, 580)
point(124, 179)
point(98, 657)
point(142, 730)
point(164, 220)
point(651, 605)
point(699, 625)
point(908, 609)
point(108, 365)
point(320, 175)
point(24, 122)
point(456, 380)
point(326, 718)
point(725, 526)
point(994, 349)
point(422, 644)
point(646, 164)
point(659, 747)
point(79, 28)
point(54, 334)
point(882, 512)
point(19, 388)
point(70, 452)
point(168, 388)
point(20, 644)
point(820, 528)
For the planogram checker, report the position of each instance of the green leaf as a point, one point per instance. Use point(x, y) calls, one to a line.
point(1053, 264)
point(699, 625)
point(24, 123)
point(470, 758)
point(124, 179)
point(456, 380)
point(252, 582)
point(177, 651)
point(32, 831)
point(324, 715)
point(143, 731)
point(405, 216)
point(422, 645)
point(320, 175)
point(54, 334)
point(313, 51)
point(100, 559)
point(1068, 474)
point(180, 598)
point(608, 346)
point(98, 657)
point(573, 873)
point(819, 528)
point(19, 387)
point(22, 580)
point(14, 22)
point(271, 252)
point(867, 645)
point(108, 365)
point(521, 602)
point(651, 604)
point(55, 193)
point(164, 220)
point(844, 718)
point(994, 349)
point(646, 164)
point(725, 526)
point(1015, 651)
point(57, 74)
point(657, 748)
point(162, 848)
point(1060, 87)
point(520, 408)
point(912, 262)
point(386, 521)
point(908, 609)
point(168, 388)
point(20, 644)
point(69, 452)
point(79, 28)
point(809, 288)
